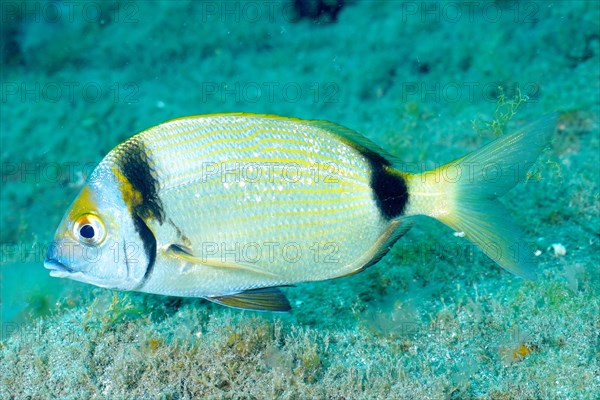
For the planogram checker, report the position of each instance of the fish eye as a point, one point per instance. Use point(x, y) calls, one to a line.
point(89, 229)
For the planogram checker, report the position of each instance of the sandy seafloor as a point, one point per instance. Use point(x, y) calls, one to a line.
point(432, 320)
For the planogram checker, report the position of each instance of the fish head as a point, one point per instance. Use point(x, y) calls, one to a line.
point(97, 241)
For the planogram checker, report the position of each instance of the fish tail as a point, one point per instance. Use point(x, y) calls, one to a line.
point(463, 194)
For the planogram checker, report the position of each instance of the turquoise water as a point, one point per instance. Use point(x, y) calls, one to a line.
point(434, 319)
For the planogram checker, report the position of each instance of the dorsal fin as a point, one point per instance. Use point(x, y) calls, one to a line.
point(352, 138)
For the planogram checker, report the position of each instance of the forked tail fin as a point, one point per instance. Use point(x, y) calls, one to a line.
point(463, 194)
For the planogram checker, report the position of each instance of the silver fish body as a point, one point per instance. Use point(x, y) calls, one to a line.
point(226, 206)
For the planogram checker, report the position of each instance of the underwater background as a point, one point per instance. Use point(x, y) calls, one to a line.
point(427, 81)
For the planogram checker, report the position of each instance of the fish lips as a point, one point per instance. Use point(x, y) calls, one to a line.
point(60, 270)
point(57, 269)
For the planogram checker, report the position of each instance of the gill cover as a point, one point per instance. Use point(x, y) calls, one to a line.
point(101, 239)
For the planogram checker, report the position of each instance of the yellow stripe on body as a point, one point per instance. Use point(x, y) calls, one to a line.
point(258, 217)
point(296, 228)
point(187, 179)
point(235, 138)
point(323, 139)
point(254, 147)
point(342, 170)
point(172, 140)
point(240, 201)
point(286, 143)
point(175, 141)
point(178, 127)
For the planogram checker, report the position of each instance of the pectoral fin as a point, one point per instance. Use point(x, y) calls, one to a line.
point(267, 299)
point(185, 253)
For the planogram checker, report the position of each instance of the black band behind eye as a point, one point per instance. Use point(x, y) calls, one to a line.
point(87, 231)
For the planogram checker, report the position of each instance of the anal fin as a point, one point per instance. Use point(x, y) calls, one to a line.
point(266, 299)
point(382, 246)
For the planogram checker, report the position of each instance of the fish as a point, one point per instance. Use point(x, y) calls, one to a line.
point(232, 207)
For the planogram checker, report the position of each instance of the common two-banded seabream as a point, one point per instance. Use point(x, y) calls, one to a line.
point(230, 206)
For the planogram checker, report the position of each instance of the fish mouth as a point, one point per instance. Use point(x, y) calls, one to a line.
point(57, 269)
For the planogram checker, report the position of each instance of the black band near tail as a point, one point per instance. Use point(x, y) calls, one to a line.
point(389, 189)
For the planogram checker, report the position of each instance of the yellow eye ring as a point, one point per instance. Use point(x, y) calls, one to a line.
point(89, 229)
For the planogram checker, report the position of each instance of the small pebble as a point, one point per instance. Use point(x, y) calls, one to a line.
point(559, 249)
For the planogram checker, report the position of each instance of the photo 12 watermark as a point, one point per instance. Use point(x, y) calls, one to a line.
point(270, 92)
point(491, 12)
point(275, 172)
point(70, 173)
point(55, 12)
point(55, 92)
point(247, 11)
point(462, 91)
point(75, 174)
point(272, 251)
point(265, 253)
